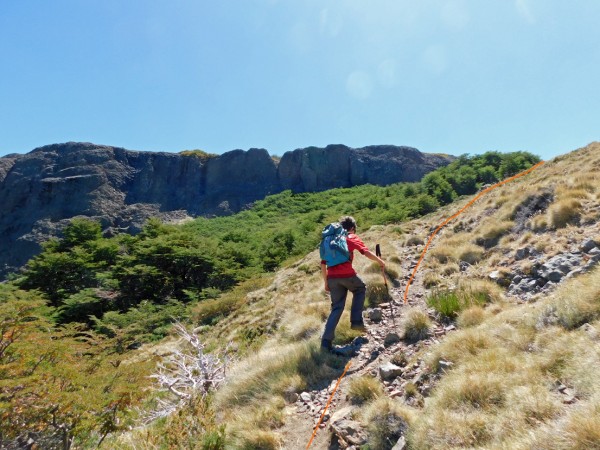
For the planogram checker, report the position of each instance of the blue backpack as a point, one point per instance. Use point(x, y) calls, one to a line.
point(334, 248)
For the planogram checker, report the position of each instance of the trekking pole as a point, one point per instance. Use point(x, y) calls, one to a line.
point(378, 254)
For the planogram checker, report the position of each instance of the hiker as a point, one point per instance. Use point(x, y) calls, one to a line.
point(342, 278)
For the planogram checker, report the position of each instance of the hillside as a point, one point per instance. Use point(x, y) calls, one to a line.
point(493, 297)
point(499, 341)
point(45, 188)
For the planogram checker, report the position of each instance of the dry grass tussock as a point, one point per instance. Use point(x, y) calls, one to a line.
point(364, 389)
point(386, 420)
point(456, 248)
point(489, 233)
point(471, 317)
point(504, 390)
point(575, 303)
point(377, 292)
point(563, 212)
point(416, 325)
point(432, 278)
point(392, 270)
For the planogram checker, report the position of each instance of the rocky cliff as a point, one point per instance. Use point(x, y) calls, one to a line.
point(40, 191)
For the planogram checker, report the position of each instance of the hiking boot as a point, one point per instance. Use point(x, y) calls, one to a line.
point(358, 326)
point(327, 345)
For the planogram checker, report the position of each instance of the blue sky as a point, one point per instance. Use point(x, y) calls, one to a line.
point(452, 76)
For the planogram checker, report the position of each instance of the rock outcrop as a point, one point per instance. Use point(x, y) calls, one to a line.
point(40, 191)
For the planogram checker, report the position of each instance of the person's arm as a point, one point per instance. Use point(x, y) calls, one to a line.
point(355, 243)
point(374, 257)
point(324, 273)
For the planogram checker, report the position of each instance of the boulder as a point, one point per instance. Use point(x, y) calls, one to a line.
point(389, 371)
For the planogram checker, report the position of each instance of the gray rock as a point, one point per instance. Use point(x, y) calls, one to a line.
point(306, 397)
point(290, 396)
point(463, 266)
point(588, 245)
point(389, 371)
point(419, 378)
point(522, 253)
point(590, 330)
point(495, 275)
point(375, 314)
point(348, 431)
point(342, 413)
point(554, 276)
point(391, 339)
point(346, 350)
point(549, 285)
point(445, 365)
point(400, 445)
point(532, 205)
point(317, 169)
point(565, 267)
point(575, 272)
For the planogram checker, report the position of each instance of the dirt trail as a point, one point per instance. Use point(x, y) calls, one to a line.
point(303, 415)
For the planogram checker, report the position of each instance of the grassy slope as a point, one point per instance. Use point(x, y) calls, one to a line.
point(503, 390)
point(508, 360)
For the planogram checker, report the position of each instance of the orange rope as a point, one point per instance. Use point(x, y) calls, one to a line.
point(328, 402)
point(456, 215)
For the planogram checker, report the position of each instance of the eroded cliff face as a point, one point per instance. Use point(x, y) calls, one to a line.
point(42, 190)
point(317, 169)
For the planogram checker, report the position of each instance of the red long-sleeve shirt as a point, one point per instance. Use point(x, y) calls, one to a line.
point(345, 270)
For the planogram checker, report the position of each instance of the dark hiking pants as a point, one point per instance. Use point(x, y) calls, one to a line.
point(338, 289)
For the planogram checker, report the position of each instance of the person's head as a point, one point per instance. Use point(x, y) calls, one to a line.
point(348, 223)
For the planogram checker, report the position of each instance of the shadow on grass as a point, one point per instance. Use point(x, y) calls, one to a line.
point(318, 367)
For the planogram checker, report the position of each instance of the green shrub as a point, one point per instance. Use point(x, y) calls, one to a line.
point(446, 302)
point(450, 302)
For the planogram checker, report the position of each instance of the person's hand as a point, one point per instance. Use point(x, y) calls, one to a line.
point(326, 287)
point(382, 263)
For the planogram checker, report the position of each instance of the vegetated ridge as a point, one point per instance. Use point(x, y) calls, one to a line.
point(42, 190)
